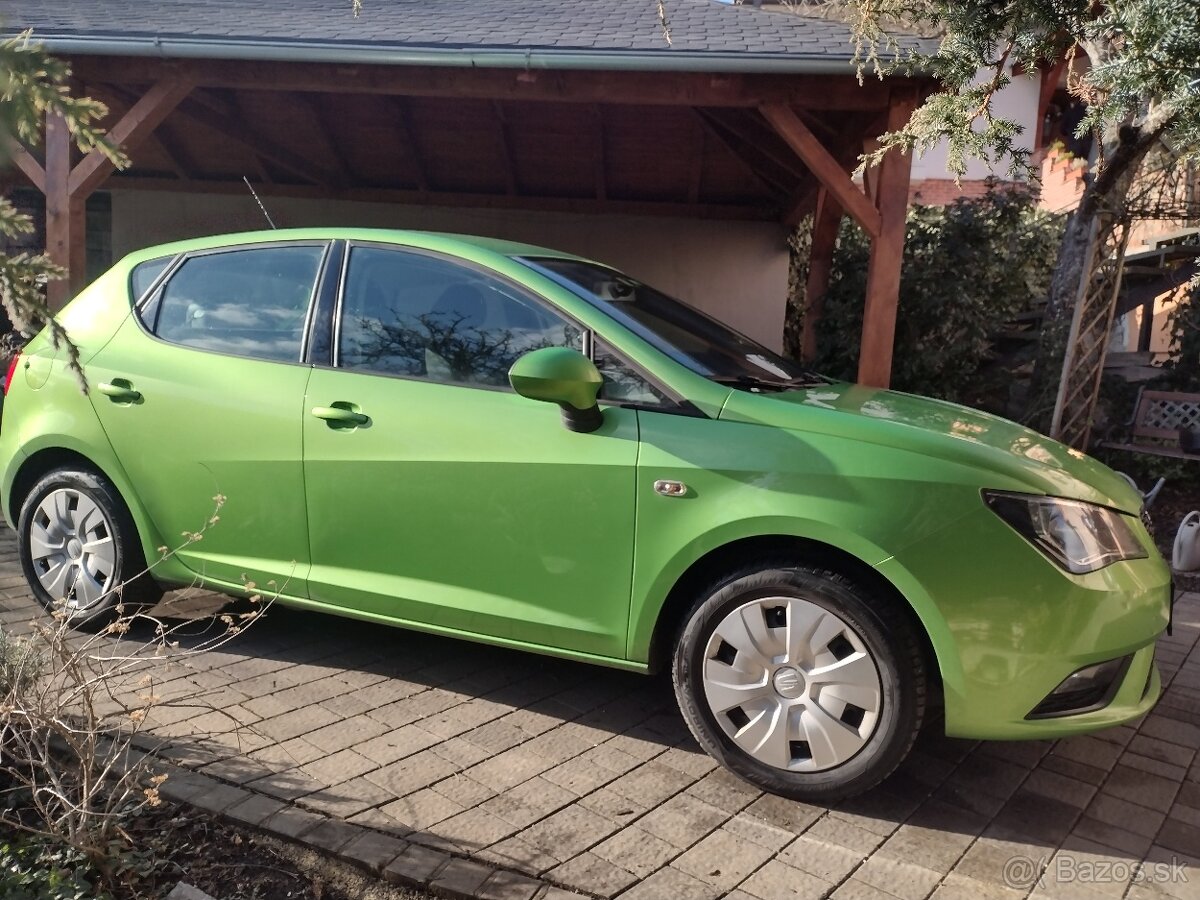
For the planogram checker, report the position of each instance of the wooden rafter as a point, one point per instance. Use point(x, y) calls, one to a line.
point(765, 141)
point(139, 122)
point(600, 161)
point(511, 182)
point(408, 137)
point(826, 220)
point(328, 132)
point(177, 150)
point(823, 165)
point(28, 164)
point(696, 177)
point(202, 113)
point(772, 183)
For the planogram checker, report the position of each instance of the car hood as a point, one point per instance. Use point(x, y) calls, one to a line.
point(946, 430)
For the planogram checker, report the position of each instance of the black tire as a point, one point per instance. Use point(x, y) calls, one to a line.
point(884, 630)
point(128, 585)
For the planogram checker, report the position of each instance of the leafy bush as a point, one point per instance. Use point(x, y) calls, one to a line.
point(38, 869)
point(969, 268)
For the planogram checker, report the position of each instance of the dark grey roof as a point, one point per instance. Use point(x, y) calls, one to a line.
point(583, 33)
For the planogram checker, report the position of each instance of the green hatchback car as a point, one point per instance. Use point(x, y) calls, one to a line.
point(816, 562)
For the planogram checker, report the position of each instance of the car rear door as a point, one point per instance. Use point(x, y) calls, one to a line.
point(201, 394)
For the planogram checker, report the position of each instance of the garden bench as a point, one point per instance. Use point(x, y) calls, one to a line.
point(1157, 420)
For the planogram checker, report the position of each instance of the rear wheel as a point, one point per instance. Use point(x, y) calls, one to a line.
point(800, 681)
point(79, 548)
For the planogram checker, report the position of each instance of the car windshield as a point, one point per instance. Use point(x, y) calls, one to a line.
point(685, 334)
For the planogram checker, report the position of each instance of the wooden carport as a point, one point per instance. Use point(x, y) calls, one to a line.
point(736, 145)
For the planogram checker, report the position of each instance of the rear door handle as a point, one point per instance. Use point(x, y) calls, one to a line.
point(340, 414)
point(119, 391)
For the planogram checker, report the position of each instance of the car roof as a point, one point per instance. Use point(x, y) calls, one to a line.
point(432, 240)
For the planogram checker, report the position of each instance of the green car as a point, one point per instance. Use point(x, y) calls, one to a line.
point(817, 563)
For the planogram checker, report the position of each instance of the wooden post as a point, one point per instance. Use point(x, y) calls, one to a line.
point(826, 221)
point(67, 188)
point(887, 255)
point(65, 216)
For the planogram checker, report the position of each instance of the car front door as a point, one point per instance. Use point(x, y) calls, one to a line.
point(201, 393)
point(437, 496)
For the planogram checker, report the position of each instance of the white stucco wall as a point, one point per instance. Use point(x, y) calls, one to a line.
point(735, 271)
point(1017, 101)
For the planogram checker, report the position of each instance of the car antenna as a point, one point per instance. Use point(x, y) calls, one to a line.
point(254, 194)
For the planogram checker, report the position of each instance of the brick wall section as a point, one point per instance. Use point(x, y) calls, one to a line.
point(941, 191)
point(1062, 181)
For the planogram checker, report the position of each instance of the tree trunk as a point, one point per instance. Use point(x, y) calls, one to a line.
point(1103, 198)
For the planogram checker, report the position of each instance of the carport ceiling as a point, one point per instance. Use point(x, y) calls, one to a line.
point(675, 159)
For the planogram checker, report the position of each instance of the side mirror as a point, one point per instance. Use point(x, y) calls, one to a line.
point(563, 376)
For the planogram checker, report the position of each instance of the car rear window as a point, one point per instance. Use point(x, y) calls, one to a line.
point(247, 302)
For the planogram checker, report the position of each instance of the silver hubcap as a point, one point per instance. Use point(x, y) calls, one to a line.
point(792, 684)
point(71, 544)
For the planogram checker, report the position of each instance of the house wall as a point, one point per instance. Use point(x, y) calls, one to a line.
point(1017, 101)
point(735, 271)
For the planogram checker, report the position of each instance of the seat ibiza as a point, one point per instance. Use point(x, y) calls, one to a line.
point(817, 563)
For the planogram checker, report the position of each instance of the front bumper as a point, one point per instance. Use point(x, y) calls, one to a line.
point(1008, 627)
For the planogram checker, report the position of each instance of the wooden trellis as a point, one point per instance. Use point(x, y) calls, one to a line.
point(1091, 329)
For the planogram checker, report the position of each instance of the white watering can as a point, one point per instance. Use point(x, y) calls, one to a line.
point(1185, 556)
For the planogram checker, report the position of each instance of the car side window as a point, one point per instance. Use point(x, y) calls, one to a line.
point(246, 302)
point(420, 316)
point(622, 382)
point(145, 274)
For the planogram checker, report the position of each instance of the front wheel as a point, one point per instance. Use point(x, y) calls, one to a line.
point(80, 550)
point(800, 681)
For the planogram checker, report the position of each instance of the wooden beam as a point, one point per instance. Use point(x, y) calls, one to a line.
point(384, 194)
point(177, 149)
point(328, 131)
point(506, 154)
point(600, 160)
point(696, 179)
point(764, 140)
point(28, 164)
point(887, 255)
point(823, 165)
point(772, 183)
point(802, 201)
point(826, 221)
point(1046, 89)
point(818, 92)
point(408, 136)
point(65, 216)
point(281, 156)
point(141, 120)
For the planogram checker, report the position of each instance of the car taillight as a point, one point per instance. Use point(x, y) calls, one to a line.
point(12, 369)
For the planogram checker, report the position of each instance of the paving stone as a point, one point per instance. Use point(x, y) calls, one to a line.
point(753, 829)
point(255, 809)
point(331, 835)
point(412, 774)
point(673, 883)
point(683, 820)
point(1059, 787)
point(829, 862)
point(637, 851)
point(1123, 814)
point(217, 797)
point(959, 887)
point(422, 809)
point(347, 799)
point(788, 815)
point(292, 822)
point(593, 875)
point(470, 830)
point(509, 769)
point(569, 831)
point(505, 885)
point(530, 801)
point(1112, 836)
point(1142, 788)
point(395, 744)
point(417, 865)
point(338, 767)
point(373, 850)
point(778, 881)
point(722, 859)
point(725, 791)
point(514, 852)
point(461, 876)
point(905, 880)
point(295, 723)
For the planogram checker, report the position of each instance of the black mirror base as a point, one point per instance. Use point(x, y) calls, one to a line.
point(582, 420)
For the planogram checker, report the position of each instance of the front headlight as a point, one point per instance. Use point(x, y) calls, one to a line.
point(1079, 537)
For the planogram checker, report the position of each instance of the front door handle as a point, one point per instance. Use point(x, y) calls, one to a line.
point(340, 414)
point(119, 391)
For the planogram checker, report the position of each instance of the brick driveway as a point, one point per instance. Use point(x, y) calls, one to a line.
point(489, 772)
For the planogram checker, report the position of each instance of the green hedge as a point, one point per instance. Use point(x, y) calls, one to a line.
point(969, 268)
